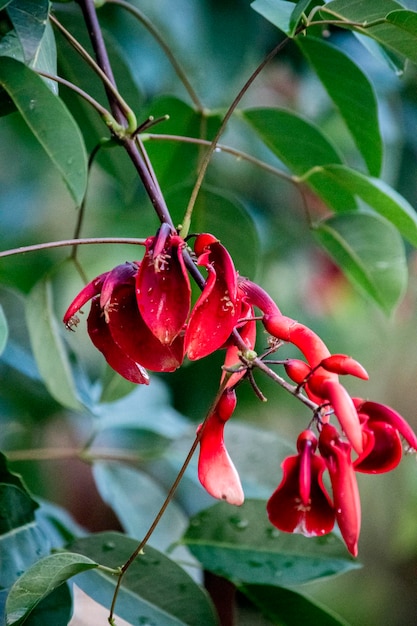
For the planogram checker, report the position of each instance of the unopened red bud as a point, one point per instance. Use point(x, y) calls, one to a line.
point(297, 370)
point(342, 364)
point(227, 404)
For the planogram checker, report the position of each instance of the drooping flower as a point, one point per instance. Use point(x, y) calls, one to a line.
point(216, 471)
point(337, 454)
point(217, 310)
point(163, 289)
point(117, 329)
point(301, 504)
point(383, 428)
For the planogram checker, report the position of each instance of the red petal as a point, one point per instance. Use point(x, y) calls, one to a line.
point(285, 508)
point(345, 412)
point(382, 413)
point(216, 471)
point(217, 310)
point(344, 485)
point(89, 291)
point(383, 449)
point(134, 338)
point(163, 291)
point(100, 336)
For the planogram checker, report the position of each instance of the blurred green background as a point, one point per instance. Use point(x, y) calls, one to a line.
point(260, 219)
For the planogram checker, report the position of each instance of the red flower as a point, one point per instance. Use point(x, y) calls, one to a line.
point(117, 329)
point(163, 289)
point(337, 454)
point(216, 471)
point(383, 428)
point(301, 503)
point(217, 310)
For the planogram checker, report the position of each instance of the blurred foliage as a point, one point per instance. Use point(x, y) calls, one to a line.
point(261, 218)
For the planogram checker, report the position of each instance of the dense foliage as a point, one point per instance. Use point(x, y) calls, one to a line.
point(211, 184)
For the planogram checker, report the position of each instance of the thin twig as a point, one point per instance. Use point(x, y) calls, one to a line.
point(72, 242)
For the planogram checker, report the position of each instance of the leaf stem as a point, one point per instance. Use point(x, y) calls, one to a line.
point(207, 157)
point(244, 156)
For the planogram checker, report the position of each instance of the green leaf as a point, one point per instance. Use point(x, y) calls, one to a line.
point(29, 18)
point(375, 193)
point(45, 59)
point(16, 508)
point(369, 250)
point(54, 610)
point(48, 346)
point(241, 545)
point(4, 330)
point(154, 589)
point(301, 146)
point(285, 607)
point(19, 549)
point(352, 94)
point(136, 499)
point(4, 3)
point(40, 580)
point(397, 32)
point(278, 12)
point(50, 122)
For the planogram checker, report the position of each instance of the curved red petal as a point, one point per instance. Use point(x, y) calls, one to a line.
point(99, 333)
point(217, 310)
point(385, 451)
point(163, 291)
point(382, 413)
point(344, 485)
point(134, 338)
point(89, 291)
point(216, 471)
point(345, 412)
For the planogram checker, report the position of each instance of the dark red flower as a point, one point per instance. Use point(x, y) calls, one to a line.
point(383, 428)
point(337, 454)
point(217, 310)
point(301, 503)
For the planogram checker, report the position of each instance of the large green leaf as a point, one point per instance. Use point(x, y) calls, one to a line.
point(241, 545)
point(300, 145)
point(352, 93)
point(375, 193)
point(29, 18)
point(285, 607)
point(136, 499)
point(396, 32)
point(154, 589)
point(19, 549)
point(370, 252)
point(50, 122)
point(48, 346)
point(278, 12)
point(40, 580)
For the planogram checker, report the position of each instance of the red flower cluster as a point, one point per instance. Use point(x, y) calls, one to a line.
point(140, 312)
point(141, 318)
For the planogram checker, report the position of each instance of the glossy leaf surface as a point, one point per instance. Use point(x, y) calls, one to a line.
point(352, 93)
point(370, 252)
point(154, 589)
point(50, 122)
point(40, 580)
point(241, 545)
